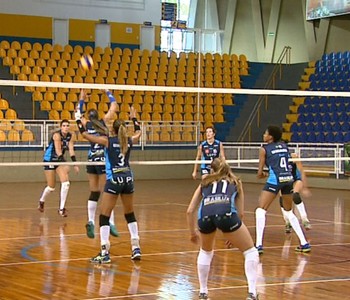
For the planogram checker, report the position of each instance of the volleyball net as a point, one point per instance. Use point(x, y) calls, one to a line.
point(173, 120)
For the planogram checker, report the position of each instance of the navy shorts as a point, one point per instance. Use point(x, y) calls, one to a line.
point(226, 223)
point(285, 188)
point(96, 169)
point(50, 167)
point(121, 185)
point(205, 171)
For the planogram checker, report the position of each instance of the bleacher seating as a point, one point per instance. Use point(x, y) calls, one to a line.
point(122, 66)
point(322, 119)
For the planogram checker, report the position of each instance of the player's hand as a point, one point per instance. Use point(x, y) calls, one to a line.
point(77, 114)
point(306, 192)
point(195, 237)
point(228, 244)
point(132, 112)
point(76, 169)
point(194, 175)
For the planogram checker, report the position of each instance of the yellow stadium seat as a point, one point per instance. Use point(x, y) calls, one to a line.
point(65, 114)
point(68, 49)
point(13, 136)
point(78, 49)
point(68, 105)
point(37, 47)
point(5, 45)
point(34, 54)
point(45, 105)
point(27, 136)
point(54, 115)
point(18, 125)
point(62, 64)
point(88, 50)
point(2, 136)
point(11, 114)
point(7, 61)
point(56, 105)
point(47, 47)
point(5, 125)
point(37, 96)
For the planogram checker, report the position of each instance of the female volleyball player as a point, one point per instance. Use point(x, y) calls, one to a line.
point(120, 181)
point(208, 150)
point(60, 141)
point(96, 173)
point(275, 156)
point(220, 199)
point(299, 187)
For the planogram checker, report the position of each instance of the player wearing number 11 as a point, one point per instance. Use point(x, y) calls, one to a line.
point(275, 154)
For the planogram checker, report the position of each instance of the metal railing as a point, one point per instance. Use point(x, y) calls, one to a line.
point(270, 84)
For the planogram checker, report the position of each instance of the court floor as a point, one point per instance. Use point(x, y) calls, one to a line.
point(45, 256)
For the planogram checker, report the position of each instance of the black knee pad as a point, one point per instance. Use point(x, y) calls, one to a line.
point(130, 218)
point(104, 220)
point(94, 196)
point(296, 198)
point(281, 202)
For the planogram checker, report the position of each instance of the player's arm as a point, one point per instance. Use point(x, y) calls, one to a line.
point(58, 145)
point(222, 151)
point(72, 152)
point(262, 158)
point(198, 157)
point(191, 214)
point(112, 107)
point(239, 201)
point(137, 128)
point(301, 170)
point(101, 140)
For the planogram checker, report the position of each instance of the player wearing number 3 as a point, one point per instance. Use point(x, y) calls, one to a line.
point(119, 181)
point(275, 156)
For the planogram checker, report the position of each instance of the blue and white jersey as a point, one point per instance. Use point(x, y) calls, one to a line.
point(50, 152)
point(117, 164)
point(277, 155)
point(210, 151)
point(96, 151)
point(218, 198)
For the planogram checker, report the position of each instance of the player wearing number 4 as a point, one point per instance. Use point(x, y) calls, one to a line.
point(275, 156)
point(119, 180)
point(96, 173)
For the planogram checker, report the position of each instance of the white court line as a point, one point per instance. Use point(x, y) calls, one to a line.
point(225, 288)
point(325, 223)
point(156, 254)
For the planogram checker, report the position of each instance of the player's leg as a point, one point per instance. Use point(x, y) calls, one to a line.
point(265, 200)
point(94, 196)
point(108, 202)
point(243, 240)
point(128, 206)
point(299, 203)
point(288, 227)
point(62, 172)
point(205, 256)
point(287, 204)
point(50, 176)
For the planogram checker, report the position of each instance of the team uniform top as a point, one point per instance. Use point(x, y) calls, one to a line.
point(209, 152)
point(277, 155)
point(96, 151)
point(218, 198)
point(50, 152)
point(117, 164)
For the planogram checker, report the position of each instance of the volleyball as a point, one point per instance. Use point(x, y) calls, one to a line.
point(86, 62)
